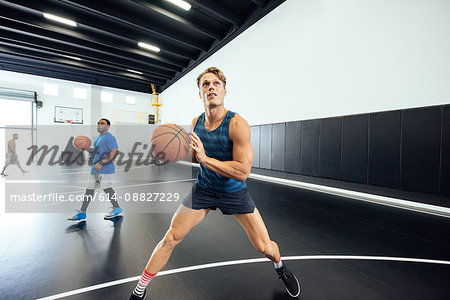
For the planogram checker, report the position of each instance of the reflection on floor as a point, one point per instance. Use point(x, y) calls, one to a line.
point(41, 254)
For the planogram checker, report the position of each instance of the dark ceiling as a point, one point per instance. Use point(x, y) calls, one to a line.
point(107, 34)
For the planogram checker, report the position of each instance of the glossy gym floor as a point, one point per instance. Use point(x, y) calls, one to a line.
point(339, 248)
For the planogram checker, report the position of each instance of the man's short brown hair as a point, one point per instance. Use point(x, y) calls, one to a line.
point(216, 71)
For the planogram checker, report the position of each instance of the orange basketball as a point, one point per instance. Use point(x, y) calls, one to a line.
point(81, 142)
point(170, 143)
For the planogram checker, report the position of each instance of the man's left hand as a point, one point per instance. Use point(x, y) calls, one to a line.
point(197, 146)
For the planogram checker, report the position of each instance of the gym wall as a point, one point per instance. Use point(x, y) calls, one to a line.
point(407, 150)
point(313, 59)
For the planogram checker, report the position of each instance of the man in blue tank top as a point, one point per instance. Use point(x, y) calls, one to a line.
point(221, 145)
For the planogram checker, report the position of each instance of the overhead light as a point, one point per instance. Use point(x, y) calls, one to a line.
point(59, 19)
point(183, 4)
point(149, 47)
point(72, 57)
point(133, 71)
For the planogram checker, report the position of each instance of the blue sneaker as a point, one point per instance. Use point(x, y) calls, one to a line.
point(78, 217)
point(115, 211)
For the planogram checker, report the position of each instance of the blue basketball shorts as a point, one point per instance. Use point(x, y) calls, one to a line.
point(239, 202)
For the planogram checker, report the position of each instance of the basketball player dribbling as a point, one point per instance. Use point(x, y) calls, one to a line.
point(221, 145)
point(105, 150)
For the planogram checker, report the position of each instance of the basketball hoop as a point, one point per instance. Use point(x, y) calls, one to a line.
point(69, 122)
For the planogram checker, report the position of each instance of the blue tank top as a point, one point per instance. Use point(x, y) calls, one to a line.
point(218, 145)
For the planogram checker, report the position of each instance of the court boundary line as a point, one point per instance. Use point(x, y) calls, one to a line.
point(383, 200)
point(430, 209)
point(244, 261)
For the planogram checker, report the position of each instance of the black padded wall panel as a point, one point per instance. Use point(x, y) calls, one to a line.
point(384, 148)
point(445, 161)
point(292, 153)
point(354, 148)
point(265, 147)
point(421, 137)
point(310, 148)
point(330, 148)
point(278, 146)
point(255, 135)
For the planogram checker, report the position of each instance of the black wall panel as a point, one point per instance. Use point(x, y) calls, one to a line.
point(278, 146)
point(354, 148)
point(384, 148)
point(265, 147)
point(330, 148)
point(405, 149)
point(255, 135)
point(445, 162)
point(421, 136)
point(292, 154)
point(310, 147)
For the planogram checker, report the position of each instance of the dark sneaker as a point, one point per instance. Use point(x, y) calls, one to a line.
point(134, 297)
point(289, 280)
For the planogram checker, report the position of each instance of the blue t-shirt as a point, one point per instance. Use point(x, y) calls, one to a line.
point(103, 144)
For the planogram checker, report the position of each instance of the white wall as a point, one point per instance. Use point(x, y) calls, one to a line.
point(65, 96)
point(143, 103)
point(318, 58)
point(93, 108)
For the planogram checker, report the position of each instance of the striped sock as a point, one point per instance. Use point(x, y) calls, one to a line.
point(278, 264)
point(146, 277)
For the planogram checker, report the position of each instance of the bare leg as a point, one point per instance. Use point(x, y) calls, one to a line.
point(182, 222)
point(21, 169)
point(257, 233)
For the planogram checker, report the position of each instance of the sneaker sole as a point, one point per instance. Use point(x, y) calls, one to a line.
point(299, 290)
point(75, 221)
point(111, 217)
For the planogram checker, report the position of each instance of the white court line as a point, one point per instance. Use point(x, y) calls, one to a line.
point(88, 170)
point(245, 261)
point(152, 183)
point(394, 202)
point(115, 187)
point(388, 201)
point(35, 181)
point(383, 200)
point(134, 185)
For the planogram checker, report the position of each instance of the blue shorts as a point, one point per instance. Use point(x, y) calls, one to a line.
point(239, 202)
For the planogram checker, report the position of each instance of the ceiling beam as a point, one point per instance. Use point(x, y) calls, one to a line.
point(79, 41)
point(105, 19)
point(96, 10)
point(64, 58)
point(178, 18)
point(77, 48)
point(260, 3)
point(219, 11)
point(48, 69)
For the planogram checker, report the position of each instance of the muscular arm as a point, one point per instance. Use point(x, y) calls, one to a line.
point(238, 168)
point(194, 159)
point(111, 155)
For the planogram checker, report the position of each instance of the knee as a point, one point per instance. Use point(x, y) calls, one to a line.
point(171, 239)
